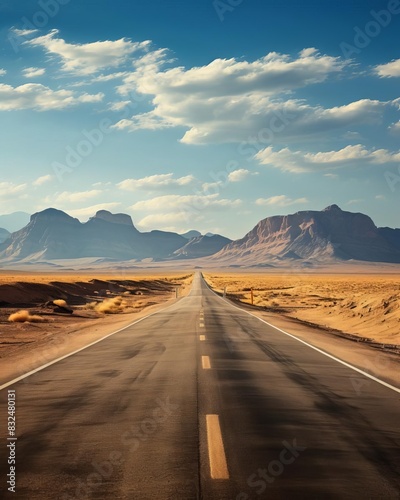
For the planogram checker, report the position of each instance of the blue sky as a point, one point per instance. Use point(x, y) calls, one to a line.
point(207, 115)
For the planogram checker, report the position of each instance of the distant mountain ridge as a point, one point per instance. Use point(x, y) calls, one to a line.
point(191, 234)
point(322, 236)
point(14, 221)
point(202, 246)
point(54, 235)
point(327, 236)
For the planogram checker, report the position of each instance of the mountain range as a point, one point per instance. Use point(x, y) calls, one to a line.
point(53, 235)
point(330, 235)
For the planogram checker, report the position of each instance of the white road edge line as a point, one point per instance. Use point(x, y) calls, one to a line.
point(375, 379)
point(40, 368)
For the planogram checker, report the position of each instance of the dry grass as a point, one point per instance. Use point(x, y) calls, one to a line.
point(24, 317)
point(115, 305)
point(366, 305)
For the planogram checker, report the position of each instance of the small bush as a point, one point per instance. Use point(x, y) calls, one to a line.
point(111, 306)
point(24, 317)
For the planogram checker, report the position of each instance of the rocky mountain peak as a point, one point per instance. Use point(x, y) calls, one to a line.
point(114, 218)
point(333, 208)
point(50, 213)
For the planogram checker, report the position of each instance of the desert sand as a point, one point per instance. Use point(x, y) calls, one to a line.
point(366, 306)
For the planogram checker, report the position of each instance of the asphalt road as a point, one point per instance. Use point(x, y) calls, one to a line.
point(202, 400)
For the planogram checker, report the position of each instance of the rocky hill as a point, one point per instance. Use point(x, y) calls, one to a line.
point(319, 236)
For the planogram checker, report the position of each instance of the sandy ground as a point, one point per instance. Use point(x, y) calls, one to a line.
point(366, 306)
point(28, 345)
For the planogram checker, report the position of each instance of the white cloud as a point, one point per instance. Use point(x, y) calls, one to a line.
point(355, 202)
point(118, 106)
point(10, 194)
point(67, 197)
point(212, 186)
point(380, 197)
point(228, 99)
point(249, 117)
point(24, 33)
point(42, 180)
point(351, 135)
point(350, 156)
point(147, 121)
point(343, 155)
point(91, 211)
point(155, 182)
point(240, 175)
point(2, 72)
point(167, 222)
point(279, 201)
point(102, 184)
point(185, 203)
point(33, 72)
point(391, 69)
point(222, 77)
point(87, 58)
point(41, 98)
point(107, 78)
point(169, 211)
point(395, 127)
point(10, 190)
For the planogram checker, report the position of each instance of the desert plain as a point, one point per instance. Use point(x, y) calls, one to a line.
point(57, 313)
point(363, 306)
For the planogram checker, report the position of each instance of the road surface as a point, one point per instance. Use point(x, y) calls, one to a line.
point(202, 400)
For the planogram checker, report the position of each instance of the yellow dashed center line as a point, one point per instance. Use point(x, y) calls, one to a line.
point(201, 325)
point(202, 338)
point(205, 361)
point(216, 451)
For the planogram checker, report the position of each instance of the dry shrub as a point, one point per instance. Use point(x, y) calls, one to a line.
point(91, 306)
point(23, 317)
point(60, 303)
point(112, 306)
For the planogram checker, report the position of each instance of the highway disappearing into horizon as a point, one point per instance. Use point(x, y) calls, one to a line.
point(202, 400)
